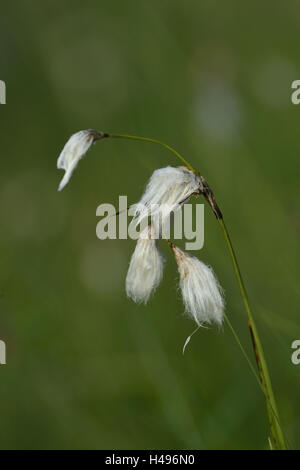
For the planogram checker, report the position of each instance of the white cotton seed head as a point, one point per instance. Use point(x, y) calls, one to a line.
point(75, 148)
point(201, 292)
point(145, 269)
point(167, 189)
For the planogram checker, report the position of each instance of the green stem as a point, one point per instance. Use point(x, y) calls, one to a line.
point(237, 339)
point(153, 141)
point(278, 441)
point(276, 431)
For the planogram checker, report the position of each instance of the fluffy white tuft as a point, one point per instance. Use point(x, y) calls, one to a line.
point(201, 292)
point(167, 189)
point(75, 148)
point(145, 269)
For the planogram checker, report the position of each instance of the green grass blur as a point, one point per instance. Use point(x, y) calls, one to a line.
point(86, 368)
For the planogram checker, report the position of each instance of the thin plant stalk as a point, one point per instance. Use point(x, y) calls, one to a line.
point(276, 431)
point(153, 141)
point(277, 440)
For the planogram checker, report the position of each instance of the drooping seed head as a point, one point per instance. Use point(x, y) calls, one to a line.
point(75, 148)
point(166, 191)
point(201, 292)
point(145, 269)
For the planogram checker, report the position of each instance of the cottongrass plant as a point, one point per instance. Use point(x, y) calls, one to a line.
point(76, 147)
point(145, 269)
point(201, 292)
point(167, 189)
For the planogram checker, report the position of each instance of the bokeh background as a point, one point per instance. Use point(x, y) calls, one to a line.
point(87, 368)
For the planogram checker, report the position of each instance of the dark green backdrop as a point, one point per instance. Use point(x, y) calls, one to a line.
point(86, 368)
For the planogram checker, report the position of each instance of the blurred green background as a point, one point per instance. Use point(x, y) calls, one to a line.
point(87, 368)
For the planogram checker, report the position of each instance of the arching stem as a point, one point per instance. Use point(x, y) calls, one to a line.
point(277, 438)
point(153, 141)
